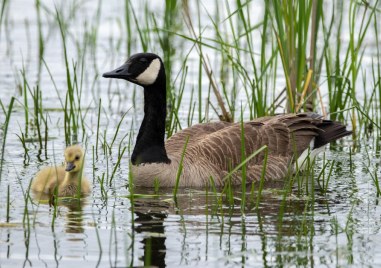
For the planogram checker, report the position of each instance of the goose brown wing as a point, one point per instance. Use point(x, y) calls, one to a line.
point(218, 145)
point(284, 135)
point(223, 148)
point(277, 168)
point(298, 131)
point(175, 144)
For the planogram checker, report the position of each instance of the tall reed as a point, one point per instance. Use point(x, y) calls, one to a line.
point(292, 21)
point(6, 124)
point(4, 5)
point(70, 108)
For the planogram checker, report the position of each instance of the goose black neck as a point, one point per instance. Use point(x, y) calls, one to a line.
point(149, 147)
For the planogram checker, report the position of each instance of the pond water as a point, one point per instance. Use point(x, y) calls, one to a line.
point(338, 225)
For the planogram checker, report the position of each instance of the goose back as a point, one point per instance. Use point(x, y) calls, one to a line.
point(214, 149)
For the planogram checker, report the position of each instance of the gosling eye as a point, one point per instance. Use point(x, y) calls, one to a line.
point(77, 157)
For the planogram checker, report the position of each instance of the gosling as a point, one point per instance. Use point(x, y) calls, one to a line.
point(66, 178)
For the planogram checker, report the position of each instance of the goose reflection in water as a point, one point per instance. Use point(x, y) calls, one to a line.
point(159, 244)
point(149, 221)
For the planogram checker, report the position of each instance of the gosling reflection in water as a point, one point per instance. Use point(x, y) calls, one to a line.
point(61, 185)
point(73, 213)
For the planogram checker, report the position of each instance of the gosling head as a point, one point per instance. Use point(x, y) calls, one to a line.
point(142, 69)
point(73, 158)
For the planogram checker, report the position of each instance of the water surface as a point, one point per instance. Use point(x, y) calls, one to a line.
point(309, 226)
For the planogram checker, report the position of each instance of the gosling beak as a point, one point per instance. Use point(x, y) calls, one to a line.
point(122, 72)
point(69, 166)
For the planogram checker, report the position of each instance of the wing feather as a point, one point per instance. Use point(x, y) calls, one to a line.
point(219, 144)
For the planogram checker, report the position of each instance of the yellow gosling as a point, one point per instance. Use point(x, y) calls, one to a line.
point(67, 178)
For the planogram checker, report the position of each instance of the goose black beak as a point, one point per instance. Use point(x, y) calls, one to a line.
point(69, 166)
point(120, 72)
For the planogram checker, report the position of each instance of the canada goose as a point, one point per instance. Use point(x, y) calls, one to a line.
point(214, 149)
point(66, 178)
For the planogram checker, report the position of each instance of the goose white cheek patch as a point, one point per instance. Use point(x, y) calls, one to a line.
point(148, 77)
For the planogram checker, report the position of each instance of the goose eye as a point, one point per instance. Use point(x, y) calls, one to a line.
point(143, 60)
point(77, 157)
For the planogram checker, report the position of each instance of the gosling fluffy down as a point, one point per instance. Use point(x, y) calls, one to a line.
point(67, 178)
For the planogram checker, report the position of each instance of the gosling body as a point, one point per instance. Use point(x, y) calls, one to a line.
point(68, 179)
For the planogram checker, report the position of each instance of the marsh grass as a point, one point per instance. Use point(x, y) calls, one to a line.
point(41, 42)
point(5, 131)
point(116, 166)
point(243, 169)
point(232, 62)
point(3, 9)
point(116, 132)
point(291, 34)
point(98, 124)
point(38, 118)
point(173, 121)
point(74, 120)
point(8, 204)
point(302, 74)
point(23, 142)
point(180, 170)
point(376, 181)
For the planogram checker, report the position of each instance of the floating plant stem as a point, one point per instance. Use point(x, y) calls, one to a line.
point(117, 128)
point(23, 142)
point(102, 185)
point(54, 84)
point(8, 117)
point(156, 185)
point(3, 108)
point(350, 160)
point(263, 148)
point(98, 240)
point(4, 4)
point(252, 192)
point(200, 76)
point(54, 202)
point(25, 93)
point(80, 178)
point(117, 165)
point(142, 37)
point(8, 203)
point(98, 122)
point(243, 170)
point(329, 177)
point(132, 198)
point(262, 180)
point(93, 167)
point(375, 181)
point(128, 25)
point(180, 169)
point(41, 46)
point(71, 124)
point(37, 102)
point(46, 134)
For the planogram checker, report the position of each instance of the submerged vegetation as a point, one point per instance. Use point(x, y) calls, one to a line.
point(225, 60)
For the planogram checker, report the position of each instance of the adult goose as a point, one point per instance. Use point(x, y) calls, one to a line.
point(214, 149)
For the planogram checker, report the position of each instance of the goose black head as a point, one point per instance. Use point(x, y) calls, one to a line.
point(142, 69)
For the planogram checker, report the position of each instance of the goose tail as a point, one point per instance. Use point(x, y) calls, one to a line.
point(330, 131)
point(327, 131)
